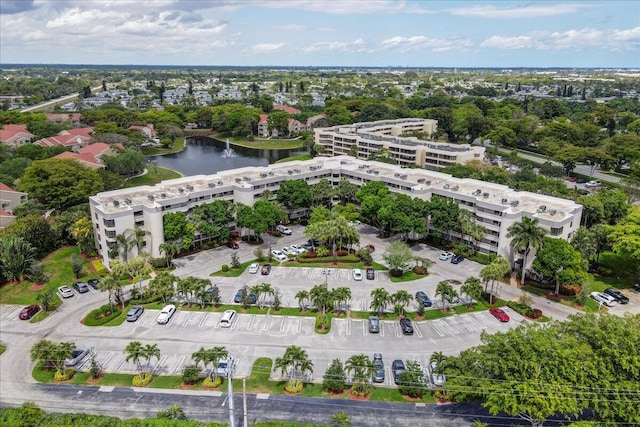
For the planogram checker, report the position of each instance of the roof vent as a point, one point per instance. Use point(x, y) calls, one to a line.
point(552, 212)
point(343, 162)
point(263, 175)
point(151, 197)
point(238, 179)
point(397, 174)
point(542, 208)
point(290, 172)
point(514, 203)
point(421, 180)
point(189, 187)
point(180, 190)
point(219, 182)
point(428, 182)
point(163, 195)
point(376, 172)
point(504, 201)
point(211, 185)
point(446, 186)
point(271, 173)
point(455, 188)
point(246, 178)
point(127, 201)
point(485, 195)
point(116, 203)
point(477, 192)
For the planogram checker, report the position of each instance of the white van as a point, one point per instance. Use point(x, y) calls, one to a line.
point(283, 229)
point(228, 317)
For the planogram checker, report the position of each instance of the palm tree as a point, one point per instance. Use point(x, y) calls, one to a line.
point(294, 360)
point(125, 242)
point(169, 250)
point(213, 356)
point(109, 284)
point(199, 356)
point(52, 354)
point(263, 289)
point(525, 235)
point(437, 357)
point(381, 298)
point(493, 272)
point(150, 351)
point(361, 368)
point(302, 297)
point(471, 288)
point(401, 299)
point(444, 289)
point(341, 295)
point(340, 419)
point(321, 298)
point(133, 350)
point(137, 236)
point(174, 412)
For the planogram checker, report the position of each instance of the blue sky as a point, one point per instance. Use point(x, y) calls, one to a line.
point(316, 33)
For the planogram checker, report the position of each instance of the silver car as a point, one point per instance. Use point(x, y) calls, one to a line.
point(134, 313)
point(378, 375)
point(77, 356)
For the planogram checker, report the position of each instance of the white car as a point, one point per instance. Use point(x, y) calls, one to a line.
point(279, 255)
point(437, 379)
point(602, 298)
point(298, 248)
point(446, 256)
point(285, 250)
point(253, 268)
point(65, 292)
point(357, 274)
point(283, 229)
point(166, 314)
point(592, 184)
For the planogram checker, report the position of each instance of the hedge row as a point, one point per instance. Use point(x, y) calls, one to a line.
point(351, 258)
point(98, 317)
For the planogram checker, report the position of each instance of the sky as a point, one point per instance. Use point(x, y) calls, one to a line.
point(380, 33)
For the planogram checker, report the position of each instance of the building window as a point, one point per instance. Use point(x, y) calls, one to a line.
point(556, 231)
point(109, 222)
point(111, 234)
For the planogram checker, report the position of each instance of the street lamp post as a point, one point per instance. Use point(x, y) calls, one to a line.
point(326, 272)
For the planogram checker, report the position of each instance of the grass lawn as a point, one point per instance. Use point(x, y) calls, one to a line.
point(3, 348)
point(407, 277)
point(233, 272)
point(293, 158)
point(153, 176)
point(177, 146)
point(57, 266)
point(347, 265)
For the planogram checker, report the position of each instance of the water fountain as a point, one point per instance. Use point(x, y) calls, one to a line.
point(228, 151)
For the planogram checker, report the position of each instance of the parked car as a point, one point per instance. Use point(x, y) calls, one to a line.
point(371, 247)
point(228, 317)
point(592, 184)
point(378, 375)
point(397, 367)
point(286, 250)
point(283, 229)
point(499, 314)
point(81, 287)
point(29, 311)
point(94, 283)
point(619, 296)
point(406, 326)
point(601, 298)
point(423, 299)
point(65, 292)
point(266, 269)
point(233, 245)
point(307, 247)
point(371, 275)
point(166, 314)
point(374, 324)
point(581, 181)
point(223, 366)
point(314, 243)
point(357, 274)
point(251, 296)
point(451, 300)
point(636, 287)
point(134, 313)
point(457, 259)
point(76, 357)
point(253, 268)
point(445, 256)
point(279, 255)
point(436, 378)
point(298, 248)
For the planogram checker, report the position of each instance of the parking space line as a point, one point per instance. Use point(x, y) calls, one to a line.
point(310, 273)
point(186, 321)
point(119, 367)
point(453, 329)
point(475, 319)
point(283, 323)
point(462, 318)
point(365, 329)
point(382, 329)
point(252, 320)
point(156, 368)
point(397, 328)
point(299, 327)
point(267, 324)
point(348, 329)
point(417, 330)
point(177, 364)
point(204, 319)
point(435, 328)
point(106, 360)
point(298, 271)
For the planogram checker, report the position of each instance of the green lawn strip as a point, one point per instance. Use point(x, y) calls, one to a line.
point(177, 146)
point(3, 348)
point(166, 381)
point(349, 265)
point(57, 266)
point(233, 272)
point(153, 176)
point(477, 306)
point(293, 158)
point(407, 277)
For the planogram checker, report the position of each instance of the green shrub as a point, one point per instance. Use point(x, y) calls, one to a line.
point(225, 268)
point(146, 300)
point(212, 382)
point(142, 380)
point(294, 389)
point(190, 374)
point(67, 375)
point(351, 258)
point(99, 267)
point(102, 315)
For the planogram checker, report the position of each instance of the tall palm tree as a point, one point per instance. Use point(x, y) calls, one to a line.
point(401, 299)
point(51, 353)
point(471, 288)
point(381, 298)
point(263, 289)
point(294, 360)
point(109, 284)
point(133, 352)
point(213, 356)
point(443, 289)
point(150, 351)
point(525, 235)
point(341, 295)
point(199, 356)
point(125, 242)
point(361, 368)
point(169, 250)
point(302, 297)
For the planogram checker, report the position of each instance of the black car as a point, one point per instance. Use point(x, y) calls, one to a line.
point(397, 367)
point(374, 324)
point(457, 259)
point(232, 245)
point(134, 313)
point(405, 325)
point(423, 299)
point(314, 243)
point(371, 274)
point(238, 298)
point(636, 287)
point(94, 283)
point(619, 296)
point(81, 287)
point(581, 180)
point(266, 269)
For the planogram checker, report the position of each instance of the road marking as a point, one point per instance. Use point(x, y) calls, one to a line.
point(156, 368)
point(462, 320)
point(382, 329)
point(106, 388)
point(417, 330)
point(283, 323)
point(454, 330)
point(299, 327)
point(298, 272)
point(119, 367)
point(365, 329)
point(348, 329)
point(204, 319)
point(398, 330)
point(311, 271)
point(104, 362)
point(267, 323)
point(435, 328)
point(262, 396)
point(252, 320)
point(177, 364)
point(475, 319)
point(186, 322)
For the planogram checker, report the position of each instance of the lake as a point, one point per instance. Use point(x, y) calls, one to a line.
point(203, 155)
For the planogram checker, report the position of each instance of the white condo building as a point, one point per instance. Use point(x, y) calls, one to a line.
point(495, 206)
point(362, 139)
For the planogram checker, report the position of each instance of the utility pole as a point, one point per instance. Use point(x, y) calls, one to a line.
point(244, 402)
point(230, 388)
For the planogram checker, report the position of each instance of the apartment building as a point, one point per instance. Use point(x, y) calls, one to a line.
point(495, 206)
point(9, 200)
point(363, 139)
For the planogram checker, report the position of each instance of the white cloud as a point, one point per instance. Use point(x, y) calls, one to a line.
point(571, 39)
point(526, 11)
point(349, 47)
point(267, 47)
point(413, 43)
point(289, 27)
point(348, 7)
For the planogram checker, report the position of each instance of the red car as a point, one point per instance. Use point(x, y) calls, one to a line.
point(233, 245)
point(266, 269)
point(29, 311)
point(499, 314)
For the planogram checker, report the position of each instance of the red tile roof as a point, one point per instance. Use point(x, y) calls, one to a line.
point(263, 119)
point(286, 108)
point(89, 154)
point(9, 132)
point(5, 187)
point(64, 117)
point(4, 213)
point(68, 138)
